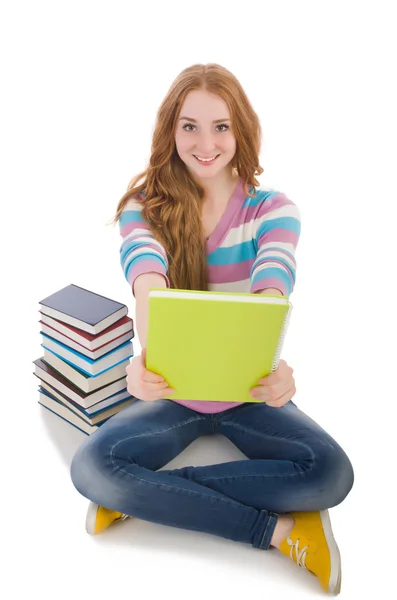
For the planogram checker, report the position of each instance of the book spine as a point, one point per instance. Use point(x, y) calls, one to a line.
point(283, 332)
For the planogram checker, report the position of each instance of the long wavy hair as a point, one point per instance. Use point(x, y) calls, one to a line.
point(171, 199)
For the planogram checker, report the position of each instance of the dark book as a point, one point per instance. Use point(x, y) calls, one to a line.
point(92, 401)
point(83, 309)
point(123, 326)
point(92, 419)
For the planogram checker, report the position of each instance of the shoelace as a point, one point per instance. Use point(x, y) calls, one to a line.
point(123, 517)
point(300, 555)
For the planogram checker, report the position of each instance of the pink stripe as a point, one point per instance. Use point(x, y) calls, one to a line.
point(269, 282)
point(128, 227)
point(265, 207)
point(273, 203)
point(147, 266)
point(230, 273)
point(207, 407)
point(264, 261)
point(279, 235)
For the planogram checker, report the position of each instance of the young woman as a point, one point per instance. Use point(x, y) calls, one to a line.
point(198, 222)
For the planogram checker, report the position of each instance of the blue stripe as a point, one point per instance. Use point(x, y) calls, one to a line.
point(132, 245)
point(261, 196)
point(129, 216)
point(136, 260)
point(274, 272)
point(290, 223)
point(232, 255)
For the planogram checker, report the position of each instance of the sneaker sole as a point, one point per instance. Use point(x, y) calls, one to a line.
point(91, 518)
point(335, 578)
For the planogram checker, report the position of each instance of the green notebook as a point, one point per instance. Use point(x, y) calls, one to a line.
point(214, 346)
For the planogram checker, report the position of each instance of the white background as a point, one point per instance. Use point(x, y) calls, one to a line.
point(82, 82)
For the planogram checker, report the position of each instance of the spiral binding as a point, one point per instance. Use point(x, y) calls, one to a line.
point(283, 333)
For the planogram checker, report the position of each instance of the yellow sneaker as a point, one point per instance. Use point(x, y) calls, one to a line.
point(311, 545)
point(99, 518)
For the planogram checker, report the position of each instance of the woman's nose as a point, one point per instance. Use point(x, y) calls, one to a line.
point(205, 143)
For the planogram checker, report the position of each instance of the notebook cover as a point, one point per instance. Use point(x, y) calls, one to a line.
point(214, 350)
point(81, 304)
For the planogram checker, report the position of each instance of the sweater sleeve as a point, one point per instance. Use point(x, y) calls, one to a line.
point(276, 233)
point(140, 252)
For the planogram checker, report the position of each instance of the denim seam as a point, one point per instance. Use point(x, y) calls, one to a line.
point(191, 420)
point(254, 475)
point(271, 517)
point(228, 501)
point(258, 433)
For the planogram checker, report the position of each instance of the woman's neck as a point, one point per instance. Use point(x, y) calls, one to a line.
point(218, 193)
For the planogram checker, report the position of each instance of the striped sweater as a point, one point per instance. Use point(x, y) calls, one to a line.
point(252, 248)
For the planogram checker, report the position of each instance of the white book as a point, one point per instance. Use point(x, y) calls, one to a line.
point(80, 379)
point(66, 414)
point(91, 401)
point(96, 417)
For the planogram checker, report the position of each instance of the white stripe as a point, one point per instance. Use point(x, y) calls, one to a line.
point(288, 210)
point(141, 235)
point(238, 235)
point(133, 205)
point(269, 265)
point(242, 286)
point(288, 246)
point(247, 231)
point(261, 256)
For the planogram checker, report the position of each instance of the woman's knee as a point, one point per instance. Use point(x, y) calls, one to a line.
point(337, 476)
point(85, 469)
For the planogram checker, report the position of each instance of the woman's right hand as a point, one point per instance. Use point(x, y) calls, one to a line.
point(143, 384)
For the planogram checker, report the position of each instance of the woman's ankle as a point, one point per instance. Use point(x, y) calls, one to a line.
point(284, 526)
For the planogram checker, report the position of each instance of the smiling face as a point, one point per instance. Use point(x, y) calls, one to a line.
point(204, 130)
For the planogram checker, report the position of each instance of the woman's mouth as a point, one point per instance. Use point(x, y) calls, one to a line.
point(206, 162)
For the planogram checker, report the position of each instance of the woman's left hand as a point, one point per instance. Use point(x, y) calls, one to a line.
point(277, 388)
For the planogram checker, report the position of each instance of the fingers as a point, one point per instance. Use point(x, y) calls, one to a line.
point(151, 377)
point(147, 375)
point(165, 393)
point(157, 389)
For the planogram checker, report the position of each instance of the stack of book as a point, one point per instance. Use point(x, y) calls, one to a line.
point(87, 345)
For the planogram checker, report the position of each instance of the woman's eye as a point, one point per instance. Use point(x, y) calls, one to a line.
point(221, 125)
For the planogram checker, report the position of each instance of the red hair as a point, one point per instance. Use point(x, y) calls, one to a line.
point(171, 199)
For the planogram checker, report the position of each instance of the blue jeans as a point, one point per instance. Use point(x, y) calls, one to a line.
point(293, 465)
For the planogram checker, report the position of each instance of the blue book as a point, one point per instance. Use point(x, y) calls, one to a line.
point(88, 365)
point(83, 309)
